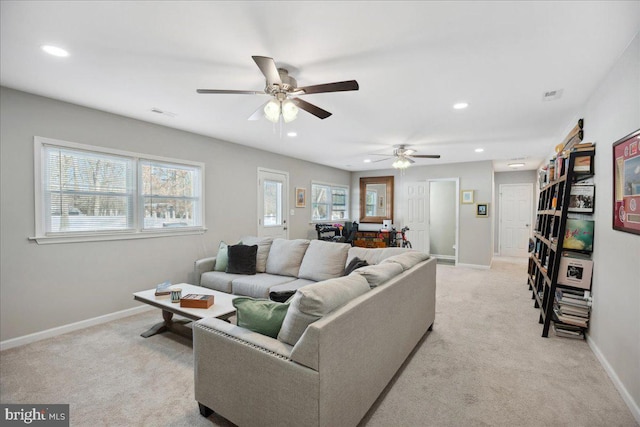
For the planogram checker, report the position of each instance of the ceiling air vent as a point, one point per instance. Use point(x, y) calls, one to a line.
point(552, 95)
point(166, 113)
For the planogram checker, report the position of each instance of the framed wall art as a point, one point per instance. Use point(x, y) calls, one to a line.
point(301, 197)
point(626, 183)
point(466, 196)
point(482, 210)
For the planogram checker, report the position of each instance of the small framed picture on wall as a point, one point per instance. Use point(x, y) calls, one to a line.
point(301, 197)
point(466, 196)
point(482, 210)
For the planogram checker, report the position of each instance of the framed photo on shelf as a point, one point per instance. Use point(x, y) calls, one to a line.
point(466, 196)
point(575, 272)
point(301, 197)
point(582, 198)
point(626, 183)
point(578, 235)
point(583, 165)
point(482, 210)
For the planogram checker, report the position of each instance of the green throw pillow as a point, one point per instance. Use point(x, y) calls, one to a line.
point(260, 315)
point(222, 259)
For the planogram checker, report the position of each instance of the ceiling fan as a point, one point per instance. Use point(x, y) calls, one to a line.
point(404, 156)
point(285, 91)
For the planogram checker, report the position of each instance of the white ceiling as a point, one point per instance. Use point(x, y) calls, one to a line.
point(413, 61)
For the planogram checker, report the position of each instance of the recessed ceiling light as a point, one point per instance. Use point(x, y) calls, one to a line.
point(367, 160)
point(460, 105)
point(55, 51)
point(292, 134)
point(516, 165)
point(479, 150)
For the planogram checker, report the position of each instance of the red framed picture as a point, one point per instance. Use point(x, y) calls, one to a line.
point(626, 183)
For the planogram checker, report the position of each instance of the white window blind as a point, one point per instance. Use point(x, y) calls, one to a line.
point(88, 191)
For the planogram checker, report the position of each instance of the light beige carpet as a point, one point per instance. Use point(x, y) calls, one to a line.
point(483, 364)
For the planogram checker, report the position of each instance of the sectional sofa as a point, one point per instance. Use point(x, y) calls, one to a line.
point(342, 340)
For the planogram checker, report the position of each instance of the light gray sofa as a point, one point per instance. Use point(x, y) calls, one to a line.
point(342, 360)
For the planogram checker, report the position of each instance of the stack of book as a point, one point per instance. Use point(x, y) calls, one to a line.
point(571, 312)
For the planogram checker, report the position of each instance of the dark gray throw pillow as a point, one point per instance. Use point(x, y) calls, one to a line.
point(354, 265)
point(281, 296)
point(242, 259)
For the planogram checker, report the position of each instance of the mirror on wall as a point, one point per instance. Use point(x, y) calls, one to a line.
point(376, 199)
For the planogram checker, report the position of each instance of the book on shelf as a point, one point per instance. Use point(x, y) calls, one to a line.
point(560, 330)
point(196, 301)
point(582, 164)
point(163, 288)
point(569, 319)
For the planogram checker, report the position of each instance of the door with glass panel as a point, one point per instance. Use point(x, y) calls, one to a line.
point(273, 207)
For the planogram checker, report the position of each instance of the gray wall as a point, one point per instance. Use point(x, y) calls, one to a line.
point(475, 234)
point(515, 177)
point(44, 286)
point(612, 112)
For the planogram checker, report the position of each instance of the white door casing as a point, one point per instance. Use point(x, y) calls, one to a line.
point(273, 203)
point(515, 219)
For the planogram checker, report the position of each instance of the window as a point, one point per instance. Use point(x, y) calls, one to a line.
point(329, 202)
point(272, 203)
point(89, 191)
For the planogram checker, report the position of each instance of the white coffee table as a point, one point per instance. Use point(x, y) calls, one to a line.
point(222, 308)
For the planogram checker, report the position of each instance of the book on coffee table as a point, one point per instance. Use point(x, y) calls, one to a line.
point(163, 288)
point(196, 301)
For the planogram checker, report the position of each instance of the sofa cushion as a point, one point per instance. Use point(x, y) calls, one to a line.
point(260, 315)
point(407, 259)
point(258, 285)
point(376, 275)
point(242, 259)
point(355, 264)
point(285, 256)
point(264, 245)
point(323, 260)
point(312, 302)
point(373, 255)
point(280, 292)
point(222, 258)
point(218, 280)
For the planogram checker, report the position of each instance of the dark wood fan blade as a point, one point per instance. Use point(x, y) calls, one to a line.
point(310, 108)
point(268, 67)
point(331, 87)
point(241, 92)
point(426, 156)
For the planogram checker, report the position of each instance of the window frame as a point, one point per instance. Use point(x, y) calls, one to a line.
point(329, 204)
point(137, 230)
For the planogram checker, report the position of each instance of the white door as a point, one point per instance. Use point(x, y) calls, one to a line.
point(515, 219)
point(415, 215)
point(273, 206)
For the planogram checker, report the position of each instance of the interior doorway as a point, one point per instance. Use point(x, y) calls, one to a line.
point(515, 219)
point(273, 206)
point(430, 210)
point(443, 219)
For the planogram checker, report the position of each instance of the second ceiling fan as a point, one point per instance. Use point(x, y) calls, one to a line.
point(404, 156)
point(285, 91)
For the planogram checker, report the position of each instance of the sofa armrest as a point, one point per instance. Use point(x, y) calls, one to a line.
point(251, 384)
point(202, 266)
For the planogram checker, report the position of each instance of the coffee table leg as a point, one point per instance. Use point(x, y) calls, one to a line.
point(167, 325)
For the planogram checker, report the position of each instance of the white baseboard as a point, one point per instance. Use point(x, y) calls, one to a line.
point(478, 266)
point(626, 396)
point(37, 336)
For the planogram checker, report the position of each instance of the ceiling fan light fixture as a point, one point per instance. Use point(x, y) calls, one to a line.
point(401, 163)
point(289, 111)
point(272, 111)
